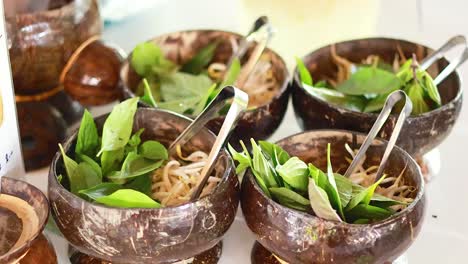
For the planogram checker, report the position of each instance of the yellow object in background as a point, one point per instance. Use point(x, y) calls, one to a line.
point(305, 25)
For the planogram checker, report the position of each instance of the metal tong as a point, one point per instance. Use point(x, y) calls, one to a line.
point(261, 32)
point(449, 45)
point(228, 95)
point(391, 101)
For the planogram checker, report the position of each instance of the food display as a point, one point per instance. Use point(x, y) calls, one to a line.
point(354, 107)
point(149, 154)
point(359, 199)
point(183, 71)
point(117, 168)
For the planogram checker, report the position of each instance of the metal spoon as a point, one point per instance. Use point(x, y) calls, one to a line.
point(392, 99)
point(449, 45)
point(228, 95)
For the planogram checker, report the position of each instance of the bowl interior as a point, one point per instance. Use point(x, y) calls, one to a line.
point(164, 127)
point(311, 147)
point(180, 47)
point(322, 66)
point(11, 225)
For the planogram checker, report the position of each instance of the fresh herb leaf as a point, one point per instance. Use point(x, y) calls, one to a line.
point(182, 92)
point(70, 168)
point(345, 189)
point(351, 102)
point(331, 189)
point(278, 155)
point(205, 100)
point(430, 87)
point(134, 166)
point(304, 73)
point(320, 203)
point(88, 137)
point(100, 190)
point(244, 161)
point(295, 173)
point(290, 198)
point(135, 139)
point(118, 126)
point(376, 103)
point(148, 97)
point(198, 63)
point(92, 163)
point(148, 58)
point(141, 183)
point(232, 73)
point(128, 198)
point(153, 150)
point(261, 166)
point(368, 211)
point(370, 80)
point(364, 196)
point(416, 93)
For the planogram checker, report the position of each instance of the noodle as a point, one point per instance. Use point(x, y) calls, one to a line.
point(174, 183)
point(395, 189)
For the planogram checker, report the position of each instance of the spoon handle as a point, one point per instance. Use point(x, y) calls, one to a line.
point(228, 95)
point(391, 101)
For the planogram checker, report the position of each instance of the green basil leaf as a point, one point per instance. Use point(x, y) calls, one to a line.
point(376, 104)
point(368, 211)
point(351, 102)
point(320, 204)
point(144, 57)
point(331, 189)
point(60, 178)
point(416, 93)
point(431, 88)
point(134, 166)
point(198, 63)
point(242, 158)
point(111, 160)
point(261, 166)
point(128, 198)
point(92, 163)
point(148, 97)
point(88, 137)
point(153, 150)
point(345, 189)
point(278, 155)
point(70, 168)
point(135, 139)
point(181, 106)
point(142, 184)
point(100, 190)
point(361, 221)
point(405, 73)
point(287, 194)
point(261, 182)
point(152, 83)
point(304, 73)
point(364, 196)
point(319, 176)
point(295, 173)
point(370, 80)
point(118, 126)
point(205, 100)
point(232, 73)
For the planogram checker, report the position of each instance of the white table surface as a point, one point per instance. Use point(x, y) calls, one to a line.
point(444, 236)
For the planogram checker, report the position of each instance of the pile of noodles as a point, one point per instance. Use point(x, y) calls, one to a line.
point(391, 187)
point(174, 183)
point(261, 84)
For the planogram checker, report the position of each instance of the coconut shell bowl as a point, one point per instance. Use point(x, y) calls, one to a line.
point(420, 133)
point(298, 237)
point(136, 235)
point(32, 247)
point(266, 110)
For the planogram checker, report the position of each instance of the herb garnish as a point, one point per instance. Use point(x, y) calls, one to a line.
point(114, 170)
point(295, 184)
point(368, 86)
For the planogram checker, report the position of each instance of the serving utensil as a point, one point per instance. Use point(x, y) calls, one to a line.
point(261, 33)
point(238, 101)
point(391, 101)
point(439, 53)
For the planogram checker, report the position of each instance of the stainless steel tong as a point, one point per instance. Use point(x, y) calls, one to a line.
point(261, 33)
point(449, 45)
point(238, 101)
point(391, 101)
